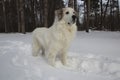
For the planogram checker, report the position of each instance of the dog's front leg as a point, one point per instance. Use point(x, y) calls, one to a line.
point(51, 57)
point(35, 48)
point(64, 55)
point(64, 58)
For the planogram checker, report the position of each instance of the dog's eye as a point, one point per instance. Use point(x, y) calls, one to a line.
point(67, 12)
point(73, 12)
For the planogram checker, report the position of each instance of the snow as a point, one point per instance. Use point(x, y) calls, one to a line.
point(92, 56)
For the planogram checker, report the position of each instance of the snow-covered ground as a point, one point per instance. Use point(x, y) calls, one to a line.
point(92, 56)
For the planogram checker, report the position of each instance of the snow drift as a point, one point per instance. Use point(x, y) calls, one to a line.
point(18, 64)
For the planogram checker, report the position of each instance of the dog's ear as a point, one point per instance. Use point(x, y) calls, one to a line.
point(59, 14)
point(76, 13)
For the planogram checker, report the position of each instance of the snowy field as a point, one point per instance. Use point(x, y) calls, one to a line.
point(93, 56)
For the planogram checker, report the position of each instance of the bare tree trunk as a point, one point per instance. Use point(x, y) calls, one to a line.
point(22, 16)
point(77, 10)
point(96, 19)
point(105, 12)
point(4, 14)
point(111, 16)
point(41, 13)
point(18, 15)
point(71, 3)
point(46, 13)
point(75, 5)
point(88, 16)
point(32, 14)
point(118, 17)
point(51, 10)
point(101, 19)
point(85, 17)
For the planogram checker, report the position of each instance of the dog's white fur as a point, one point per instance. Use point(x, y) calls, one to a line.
point(56, 39)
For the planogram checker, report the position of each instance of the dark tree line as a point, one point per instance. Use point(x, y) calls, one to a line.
point(101, 16)
point(25, 15)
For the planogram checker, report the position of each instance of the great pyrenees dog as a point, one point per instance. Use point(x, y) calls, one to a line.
point(56, 40)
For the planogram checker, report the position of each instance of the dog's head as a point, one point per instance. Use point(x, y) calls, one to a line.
point(69, 15)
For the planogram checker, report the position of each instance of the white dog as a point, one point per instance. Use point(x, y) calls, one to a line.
point(56, 39)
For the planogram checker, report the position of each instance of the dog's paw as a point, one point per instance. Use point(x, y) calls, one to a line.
point(35, 55)
point(64, 62)
point(53, 65)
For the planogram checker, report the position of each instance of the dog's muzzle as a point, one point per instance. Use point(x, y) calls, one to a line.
point(74, 18)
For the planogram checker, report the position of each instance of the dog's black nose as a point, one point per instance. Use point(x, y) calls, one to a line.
point(74, 17)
